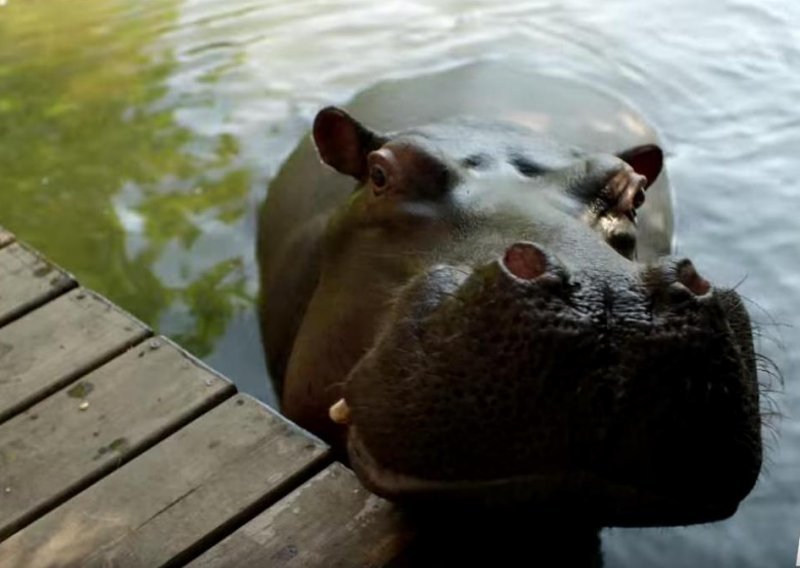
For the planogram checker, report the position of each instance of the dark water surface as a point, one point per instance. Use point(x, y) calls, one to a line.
point(136, 139)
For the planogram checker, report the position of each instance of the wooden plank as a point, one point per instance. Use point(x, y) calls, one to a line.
point(330, 522)
point(6, 238)
point(230, 463)
point(82, 432)
point(51, 346)
point(27, 280)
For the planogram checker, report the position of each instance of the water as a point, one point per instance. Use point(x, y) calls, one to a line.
point(136, 140)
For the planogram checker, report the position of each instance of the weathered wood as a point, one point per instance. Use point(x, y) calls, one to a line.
point(6, 238)
point(228, 464)
point(330, 522)
point(51, 346)
point(27, 280)
point(67, 441)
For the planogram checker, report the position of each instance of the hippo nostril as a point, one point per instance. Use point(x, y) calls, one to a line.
point(676, 281)
point(688, 276)
point(525, 260)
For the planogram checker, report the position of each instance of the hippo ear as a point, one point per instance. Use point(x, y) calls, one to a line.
point(646, 160)
point(343, 143)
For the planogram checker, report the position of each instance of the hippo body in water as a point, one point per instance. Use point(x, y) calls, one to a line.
point(467, 263)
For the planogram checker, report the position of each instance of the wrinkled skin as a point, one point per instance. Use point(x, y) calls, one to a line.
point(501, 328)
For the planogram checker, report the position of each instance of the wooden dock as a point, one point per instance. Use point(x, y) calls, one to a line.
point(118, 448)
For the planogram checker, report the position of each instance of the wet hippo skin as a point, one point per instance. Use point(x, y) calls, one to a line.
point(467, 290)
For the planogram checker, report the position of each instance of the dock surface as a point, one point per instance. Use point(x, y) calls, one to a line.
point(119, 448)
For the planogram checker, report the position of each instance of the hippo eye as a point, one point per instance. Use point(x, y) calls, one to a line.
point(377, 176)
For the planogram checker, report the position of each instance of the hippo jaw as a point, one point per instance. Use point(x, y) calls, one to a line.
point(487, 387)
point(583, 494)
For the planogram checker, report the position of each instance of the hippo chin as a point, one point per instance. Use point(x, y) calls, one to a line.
point(479, 314)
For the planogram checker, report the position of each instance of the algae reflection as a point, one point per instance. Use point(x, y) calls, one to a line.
point(98, 175)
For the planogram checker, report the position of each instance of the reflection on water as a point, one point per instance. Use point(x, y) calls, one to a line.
point(98, 172)
point(137, 138)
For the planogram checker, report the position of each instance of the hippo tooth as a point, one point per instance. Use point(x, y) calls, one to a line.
point(340, 412)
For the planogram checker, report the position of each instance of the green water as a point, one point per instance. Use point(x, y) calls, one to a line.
point(96, 172)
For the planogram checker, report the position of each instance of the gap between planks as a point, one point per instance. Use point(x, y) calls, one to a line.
point(31, 372)
point(101, 387)
point(26, 307)
point(28, 281)
point(203, 482)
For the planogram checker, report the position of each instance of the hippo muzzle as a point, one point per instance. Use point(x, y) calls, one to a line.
point(631, 402)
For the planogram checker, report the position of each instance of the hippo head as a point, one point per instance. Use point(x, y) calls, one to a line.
point(518, 351)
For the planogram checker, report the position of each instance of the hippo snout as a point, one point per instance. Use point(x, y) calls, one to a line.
point(631, 395)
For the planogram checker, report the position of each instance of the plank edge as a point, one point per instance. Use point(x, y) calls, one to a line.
point(25, 308)
point(154, 438)
point(36, 397)
point(6, 237)
point(293, 482)
point(67, 281)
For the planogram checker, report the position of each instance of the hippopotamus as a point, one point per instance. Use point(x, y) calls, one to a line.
point(467, 289)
